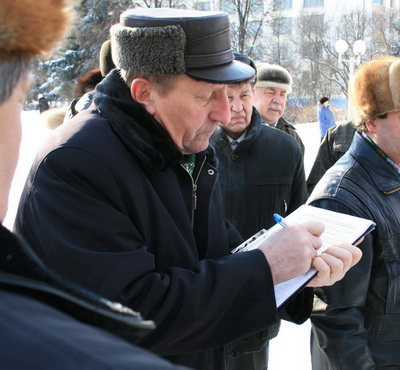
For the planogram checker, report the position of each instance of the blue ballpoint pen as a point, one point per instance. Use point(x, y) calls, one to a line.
point(280, 220)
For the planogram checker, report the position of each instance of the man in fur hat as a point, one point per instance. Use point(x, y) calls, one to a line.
point(356, 324)
point(130, 187)
point(274, 83)
point(47, 323)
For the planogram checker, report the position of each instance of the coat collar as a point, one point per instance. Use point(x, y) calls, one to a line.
point(381, 172)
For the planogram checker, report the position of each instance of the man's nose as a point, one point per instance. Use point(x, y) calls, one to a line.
point(236, 105)
point(221, 109)
point(277, 98)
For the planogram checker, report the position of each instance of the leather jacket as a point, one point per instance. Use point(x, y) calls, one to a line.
point(356, 323)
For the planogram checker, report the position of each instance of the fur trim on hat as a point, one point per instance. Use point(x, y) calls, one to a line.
point(105, 59)
point(30, 27)
point(375, 89)
point(158, 50)
point(273, 75)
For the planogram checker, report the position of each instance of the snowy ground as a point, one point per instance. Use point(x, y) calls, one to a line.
point(290, 349)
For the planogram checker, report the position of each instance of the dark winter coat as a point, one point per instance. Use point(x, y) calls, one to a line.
point(43, 105)
point(47, 323)
point(358, 324)
point(335, 143)
point(128, 221)
point(262, 176)
point(287, 127)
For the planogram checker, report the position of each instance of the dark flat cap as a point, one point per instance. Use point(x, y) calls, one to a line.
point(177, 41)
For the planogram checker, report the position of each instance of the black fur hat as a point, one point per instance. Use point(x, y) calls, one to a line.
point(177, 41)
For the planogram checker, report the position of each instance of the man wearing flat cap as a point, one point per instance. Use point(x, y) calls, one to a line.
point(131, 188)
point(274, 83)
point(46, 322)
point(357, 323)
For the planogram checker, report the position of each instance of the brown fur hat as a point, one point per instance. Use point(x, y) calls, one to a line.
point(375, 89)
point(30, 27)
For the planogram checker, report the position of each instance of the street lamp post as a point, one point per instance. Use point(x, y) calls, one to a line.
point(359, 49)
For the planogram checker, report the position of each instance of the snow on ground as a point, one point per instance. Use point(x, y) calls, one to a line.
point(290, 349)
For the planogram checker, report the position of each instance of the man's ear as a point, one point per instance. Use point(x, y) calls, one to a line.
point(141, 89)
point(371, 126)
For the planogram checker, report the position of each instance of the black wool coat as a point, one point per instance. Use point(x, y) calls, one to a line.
point(109, 205)
point(262, 176)
point(53, 324)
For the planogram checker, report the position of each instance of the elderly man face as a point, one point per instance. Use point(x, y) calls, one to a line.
point(270, 102)
point(241, 107)
point(386, 134)
point(189, 112)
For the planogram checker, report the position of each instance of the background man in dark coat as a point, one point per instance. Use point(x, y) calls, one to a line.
point(47, 323)
point(131, 188)
point(261, 172)
point(335, 143)
point(356, 324)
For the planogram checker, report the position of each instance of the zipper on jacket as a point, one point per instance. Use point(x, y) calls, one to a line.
point(194, 187)
point(391, 191)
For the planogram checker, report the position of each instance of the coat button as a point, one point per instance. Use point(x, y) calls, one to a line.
point(211, 172)
point(234, 157)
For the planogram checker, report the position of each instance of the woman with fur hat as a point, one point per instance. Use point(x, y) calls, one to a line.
point(356, 324)
point(46, 322)
point(325, 116)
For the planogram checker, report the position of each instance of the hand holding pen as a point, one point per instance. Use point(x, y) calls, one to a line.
point(292, 251)
point(281, 221)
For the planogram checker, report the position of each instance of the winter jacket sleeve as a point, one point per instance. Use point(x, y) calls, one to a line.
point(339, 337)
point(93, 242)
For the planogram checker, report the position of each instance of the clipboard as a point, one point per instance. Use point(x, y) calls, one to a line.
point(339, 228)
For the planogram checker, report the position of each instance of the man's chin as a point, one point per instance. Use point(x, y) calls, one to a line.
point(195, 147)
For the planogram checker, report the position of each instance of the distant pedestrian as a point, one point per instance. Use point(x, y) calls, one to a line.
point(43, 104)
point(325, 116)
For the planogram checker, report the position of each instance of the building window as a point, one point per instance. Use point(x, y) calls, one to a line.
point(378, 2)
point(254, 30)
point(202, 6)
point(228, 6)
point(282, 26)
point(312, 3)
point(281, 53)
point(312, 24)
point(283, 4)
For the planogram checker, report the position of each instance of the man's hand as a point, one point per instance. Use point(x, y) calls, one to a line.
point(291, 250)
point(334, 263)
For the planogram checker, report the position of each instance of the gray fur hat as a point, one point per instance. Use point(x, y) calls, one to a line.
point(177, 41)
point(273, 75)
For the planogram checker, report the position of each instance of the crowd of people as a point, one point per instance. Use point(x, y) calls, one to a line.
point(179, 152)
